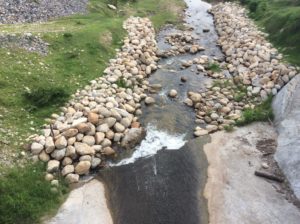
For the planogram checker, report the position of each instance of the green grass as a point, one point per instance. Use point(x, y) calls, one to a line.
point(32, 87)
point(281, 20)
point(25, 195)
point(214, 67)
point(262, 112)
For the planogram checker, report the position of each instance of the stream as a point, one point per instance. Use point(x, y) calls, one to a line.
point(162, 181)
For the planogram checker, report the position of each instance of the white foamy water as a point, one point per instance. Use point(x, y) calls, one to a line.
point(155, 140)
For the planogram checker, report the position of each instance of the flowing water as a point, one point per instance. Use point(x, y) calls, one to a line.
point(162, 181)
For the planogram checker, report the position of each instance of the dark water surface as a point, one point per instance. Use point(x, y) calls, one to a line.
point(162, 189)
point(167, 187)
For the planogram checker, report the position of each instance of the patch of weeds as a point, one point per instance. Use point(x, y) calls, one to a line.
point(122, 83)
point(222, 83)
point(25, 195)
point(45, 95)
point(262, 112)
point(229, 128)
point(214, 67)
point(239, 96)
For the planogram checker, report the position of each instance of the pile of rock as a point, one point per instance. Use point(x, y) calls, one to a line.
point(104, 115)
point(218, 106)
point(208, 66)
point(25, 41)
point(21, 11)
point(252, 60)
point(182, 42)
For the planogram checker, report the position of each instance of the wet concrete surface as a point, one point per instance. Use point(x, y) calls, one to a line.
point(162, 189)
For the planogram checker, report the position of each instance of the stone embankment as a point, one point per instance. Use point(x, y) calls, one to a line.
point(253, 65)
point(26, 11)
point(104, 115)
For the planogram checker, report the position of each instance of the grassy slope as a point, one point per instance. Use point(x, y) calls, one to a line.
point(80, 48)
point(281, 19)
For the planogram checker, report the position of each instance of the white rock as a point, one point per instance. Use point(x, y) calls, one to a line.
point(36, 148)
point(53, 166)
point(67, 169)
point(173, 93)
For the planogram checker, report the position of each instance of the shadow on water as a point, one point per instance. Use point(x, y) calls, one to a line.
point(167, 187)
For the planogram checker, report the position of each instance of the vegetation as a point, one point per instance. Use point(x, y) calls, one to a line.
point(229, 128)
point(25, 195)
point(32, 87)
point(281, 20)
point(214, 67)
point(262, 112)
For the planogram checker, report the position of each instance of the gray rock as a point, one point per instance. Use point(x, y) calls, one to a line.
point(133, 137)
point(83, 149)
point(95, 162)
point(286, 107)
point(58, 154)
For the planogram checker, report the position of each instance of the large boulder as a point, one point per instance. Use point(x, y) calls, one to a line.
point(133, 137)
point(286, 107)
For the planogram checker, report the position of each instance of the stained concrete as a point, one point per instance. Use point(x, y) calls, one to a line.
point(234, 193)
point(85, 205)
point(286, 107)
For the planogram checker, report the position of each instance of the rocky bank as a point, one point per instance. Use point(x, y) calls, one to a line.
point(103, 117)
point(26, 11)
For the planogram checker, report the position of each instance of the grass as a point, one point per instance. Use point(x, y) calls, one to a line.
point(214, 67)
point(262, 112)
point(32, 87)
point(281, 20)
point(25, 195)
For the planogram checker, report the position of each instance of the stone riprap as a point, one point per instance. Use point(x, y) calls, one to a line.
point(25, 41)
point(286, 107)
point(26, 11)
point(252, 60)
point(252, 71)
point(105, 113)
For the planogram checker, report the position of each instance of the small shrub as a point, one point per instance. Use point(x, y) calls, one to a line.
point(214, 67)
point(45, 95)
point(228, 128)
point(238, 97)
point(122, 83)
point(262, 112)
